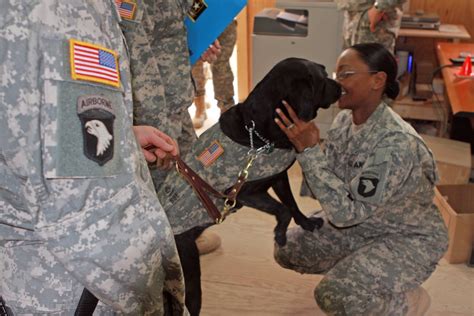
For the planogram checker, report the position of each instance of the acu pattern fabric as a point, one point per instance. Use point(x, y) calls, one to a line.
point(383, 236)
point(356, 28)
point(161, 71)
point(66, 221)
point(182, 205)
point(222, 76)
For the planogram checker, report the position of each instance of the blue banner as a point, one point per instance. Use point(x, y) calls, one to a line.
point(206, 20)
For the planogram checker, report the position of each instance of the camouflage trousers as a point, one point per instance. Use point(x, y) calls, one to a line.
point(356, 29)
point(363, 276)
point(222, 76)
point(183, 132)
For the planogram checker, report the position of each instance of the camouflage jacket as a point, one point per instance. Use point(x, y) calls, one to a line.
point(362, 5)
point(161, 71)
point(378, 180)
point(182, 205)
point(74, 180)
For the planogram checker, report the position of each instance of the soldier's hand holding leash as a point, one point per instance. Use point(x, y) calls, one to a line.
point(157, 147)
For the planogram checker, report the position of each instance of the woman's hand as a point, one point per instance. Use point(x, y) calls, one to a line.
point(211, 54)
point(157, 147)
point(301, 134)
point(375, 16)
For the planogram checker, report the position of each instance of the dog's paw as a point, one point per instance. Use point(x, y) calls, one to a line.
point(317, 221)
point(312, 223)
point(280, 238)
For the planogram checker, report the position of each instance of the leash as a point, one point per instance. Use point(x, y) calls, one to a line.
point(203, 189)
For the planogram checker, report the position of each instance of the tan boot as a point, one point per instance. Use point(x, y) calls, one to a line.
point(208, 242)
point(418, 301)
point(200, 115)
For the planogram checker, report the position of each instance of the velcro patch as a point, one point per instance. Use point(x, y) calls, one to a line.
point(94, 63)
point(126, 9)
point(198, 7)
point(97, 120)
point(211, 153)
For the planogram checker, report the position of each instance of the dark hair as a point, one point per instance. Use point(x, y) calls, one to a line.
point(378, 58)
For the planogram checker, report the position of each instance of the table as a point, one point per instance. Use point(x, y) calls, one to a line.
point(460, 91)
point(461, 34)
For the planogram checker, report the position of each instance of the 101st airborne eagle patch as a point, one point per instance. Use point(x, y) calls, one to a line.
point(93, 63)
point(210, 154)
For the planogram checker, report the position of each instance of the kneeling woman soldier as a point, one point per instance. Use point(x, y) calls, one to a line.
point(375, 181)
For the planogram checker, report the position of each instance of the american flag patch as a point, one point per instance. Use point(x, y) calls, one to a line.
point(211, 153)
point(93, 63)
point(126, 9)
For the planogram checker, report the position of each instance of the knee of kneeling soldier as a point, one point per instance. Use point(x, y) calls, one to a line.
point(330, 297)
point(282, 257)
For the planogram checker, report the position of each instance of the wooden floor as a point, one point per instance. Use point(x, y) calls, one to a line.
point(242, 278)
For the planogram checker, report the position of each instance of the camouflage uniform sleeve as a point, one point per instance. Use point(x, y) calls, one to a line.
point(382, 177)
point(148, 88)
point(388, 5)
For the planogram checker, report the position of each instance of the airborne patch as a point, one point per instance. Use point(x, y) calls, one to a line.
point(210, 154)
point(97, 119)
point(367, 186)
point(94, 63)
point(198, 7)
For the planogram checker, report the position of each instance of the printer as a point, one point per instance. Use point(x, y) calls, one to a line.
point(310, 29)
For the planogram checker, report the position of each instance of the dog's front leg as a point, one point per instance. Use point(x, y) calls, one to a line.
point(282, 189)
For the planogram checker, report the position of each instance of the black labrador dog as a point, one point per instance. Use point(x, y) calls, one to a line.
point(220, 153)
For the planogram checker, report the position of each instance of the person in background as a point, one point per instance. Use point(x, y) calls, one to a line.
point(374, 179)
point(161, 78)
point(77, 205)
point(367, 21)
point(222, 77)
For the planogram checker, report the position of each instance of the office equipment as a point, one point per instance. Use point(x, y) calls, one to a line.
point(420, 20)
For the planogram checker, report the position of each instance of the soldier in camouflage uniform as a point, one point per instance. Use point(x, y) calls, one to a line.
point(161, 71)
point(375, 180)
point(367, 21)
point(222, 77)
point(77, 205)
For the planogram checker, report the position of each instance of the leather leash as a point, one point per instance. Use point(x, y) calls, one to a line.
point(203, 189)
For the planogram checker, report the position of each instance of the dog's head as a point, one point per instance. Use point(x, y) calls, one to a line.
point(302, 83)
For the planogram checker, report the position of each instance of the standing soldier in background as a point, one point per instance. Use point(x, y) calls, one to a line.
point(161, 78)
point(222, 77)
point(77, 205)
point(367, 21)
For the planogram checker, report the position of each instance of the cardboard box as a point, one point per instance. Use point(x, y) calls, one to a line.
point(456, 203)
point(453, 159)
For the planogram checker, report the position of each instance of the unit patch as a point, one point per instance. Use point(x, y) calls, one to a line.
point(211, 153)
point(93, 63)
point(367, 186)
point(97, 120)
point(126, 9)
point(198, 7)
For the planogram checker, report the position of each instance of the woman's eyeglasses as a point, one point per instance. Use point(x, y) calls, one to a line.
point(346, 74)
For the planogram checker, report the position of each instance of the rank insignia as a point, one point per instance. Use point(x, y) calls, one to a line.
point(97, 119)
point(126, 9)
point(211, 153)
point(198, 7)
point(94, 63)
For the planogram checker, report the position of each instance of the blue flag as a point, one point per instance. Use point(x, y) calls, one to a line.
point(206, 20)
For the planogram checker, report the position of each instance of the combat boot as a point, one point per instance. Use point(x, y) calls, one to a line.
point(208, 242)
point(200, 116)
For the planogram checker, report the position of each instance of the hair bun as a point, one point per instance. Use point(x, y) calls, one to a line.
point(392, 89)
